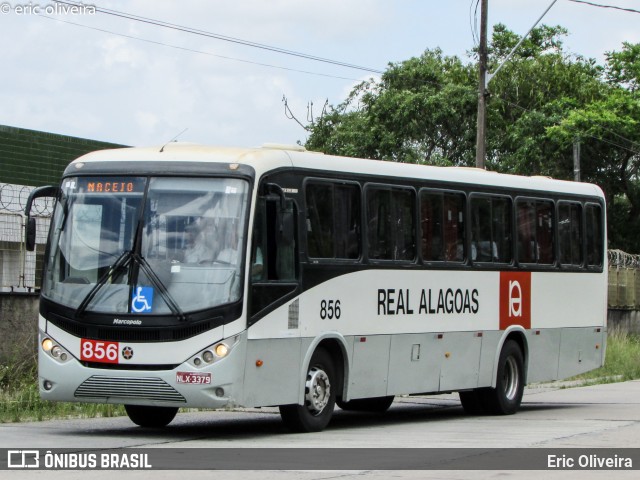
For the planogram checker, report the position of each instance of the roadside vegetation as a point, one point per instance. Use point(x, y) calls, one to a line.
point(622, 361)
point(20, 400)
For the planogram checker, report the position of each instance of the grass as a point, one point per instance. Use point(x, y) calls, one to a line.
point(622, 361)
point(20, 400)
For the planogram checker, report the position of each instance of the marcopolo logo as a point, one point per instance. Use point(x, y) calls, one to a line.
point(515, 299)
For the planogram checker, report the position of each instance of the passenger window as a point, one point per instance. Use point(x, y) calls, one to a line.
point(595, 235)
point(535, 224)
point(333, 220)
point(570, 233)
point(491, 237)
point(442, 226)
point(391, 229)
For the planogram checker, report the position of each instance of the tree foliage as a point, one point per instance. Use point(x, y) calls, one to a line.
point(542, 101)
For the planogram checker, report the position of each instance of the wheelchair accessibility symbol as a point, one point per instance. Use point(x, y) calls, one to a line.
point(142, 300)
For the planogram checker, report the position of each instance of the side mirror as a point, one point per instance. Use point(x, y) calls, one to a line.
point(30, 226)
point(30, 234)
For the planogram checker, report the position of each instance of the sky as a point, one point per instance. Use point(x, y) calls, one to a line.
point(105, 77)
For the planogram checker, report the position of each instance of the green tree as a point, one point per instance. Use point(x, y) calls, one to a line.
point(421, 111)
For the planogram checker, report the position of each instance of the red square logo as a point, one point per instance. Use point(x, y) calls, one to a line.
point(515, 299)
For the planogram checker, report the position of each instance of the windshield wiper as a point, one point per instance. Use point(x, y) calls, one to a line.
point(118, 266)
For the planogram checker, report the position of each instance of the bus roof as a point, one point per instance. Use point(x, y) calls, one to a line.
point(273, 156)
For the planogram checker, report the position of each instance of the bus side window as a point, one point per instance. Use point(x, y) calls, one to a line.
point(570, 233)
point(535, 224)
point(594, 235)
point(391, 223)
point(491, 239)
point(442, 226)
point(333, 220)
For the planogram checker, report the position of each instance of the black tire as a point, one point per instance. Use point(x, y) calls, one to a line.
point(505, 399)
point(375, 404)
point(319, 397)
point(473, 401)
point(151, 417)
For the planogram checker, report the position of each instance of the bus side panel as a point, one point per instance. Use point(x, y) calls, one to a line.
point(434, 362)
point(272, 372)
point(490, 341)
point(544, 354)
point(581, 350)
point(460, 360)
point(414, 365)
point(370, 366)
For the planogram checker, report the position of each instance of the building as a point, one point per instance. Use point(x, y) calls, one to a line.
point(28, 159)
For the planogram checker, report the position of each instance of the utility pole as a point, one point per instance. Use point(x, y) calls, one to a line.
point(576, 159)
point(481, 150)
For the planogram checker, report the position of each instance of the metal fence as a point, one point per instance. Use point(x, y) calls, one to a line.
point(624, 280)
point(19, 269)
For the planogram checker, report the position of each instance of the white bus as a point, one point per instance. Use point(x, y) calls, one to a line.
point(191, 276)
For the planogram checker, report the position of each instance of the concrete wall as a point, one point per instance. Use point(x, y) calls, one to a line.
point(18, 327)
point(624, 321)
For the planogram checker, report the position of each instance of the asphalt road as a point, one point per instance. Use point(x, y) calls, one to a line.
point(601, 416)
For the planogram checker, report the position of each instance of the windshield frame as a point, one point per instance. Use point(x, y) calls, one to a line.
point(221, 314)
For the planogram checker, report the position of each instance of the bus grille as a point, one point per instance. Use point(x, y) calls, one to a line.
point(147, 388)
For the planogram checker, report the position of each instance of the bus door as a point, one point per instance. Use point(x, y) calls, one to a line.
point(274, 260)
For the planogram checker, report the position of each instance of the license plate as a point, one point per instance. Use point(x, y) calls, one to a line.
point(193, 378)
point(98, 351)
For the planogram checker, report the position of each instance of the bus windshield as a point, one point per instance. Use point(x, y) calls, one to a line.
point(159, 245)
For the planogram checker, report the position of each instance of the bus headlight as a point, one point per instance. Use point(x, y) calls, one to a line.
point(216, 352)
point(47, 344)
point(221, 350)
point(54, 350)
point(208, 356)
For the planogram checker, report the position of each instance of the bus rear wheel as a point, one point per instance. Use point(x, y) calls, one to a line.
point(319, 397)
point(151, 417)
point(505, 399)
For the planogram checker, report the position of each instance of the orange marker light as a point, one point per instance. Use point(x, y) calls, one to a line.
point(259, 363)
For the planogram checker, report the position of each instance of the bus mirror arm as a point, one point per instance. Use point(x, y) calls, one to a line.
point(273, 188)
point(30, 224)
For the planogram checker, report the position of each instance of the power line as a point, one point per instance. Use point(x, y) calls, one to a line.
point(606, 6)
point(473, 22)
point(191, 50)
point(239, 41)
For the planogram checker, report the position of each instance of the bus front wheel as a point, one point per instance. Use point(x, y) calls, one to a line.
point(151, 417)
point(319, 397)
